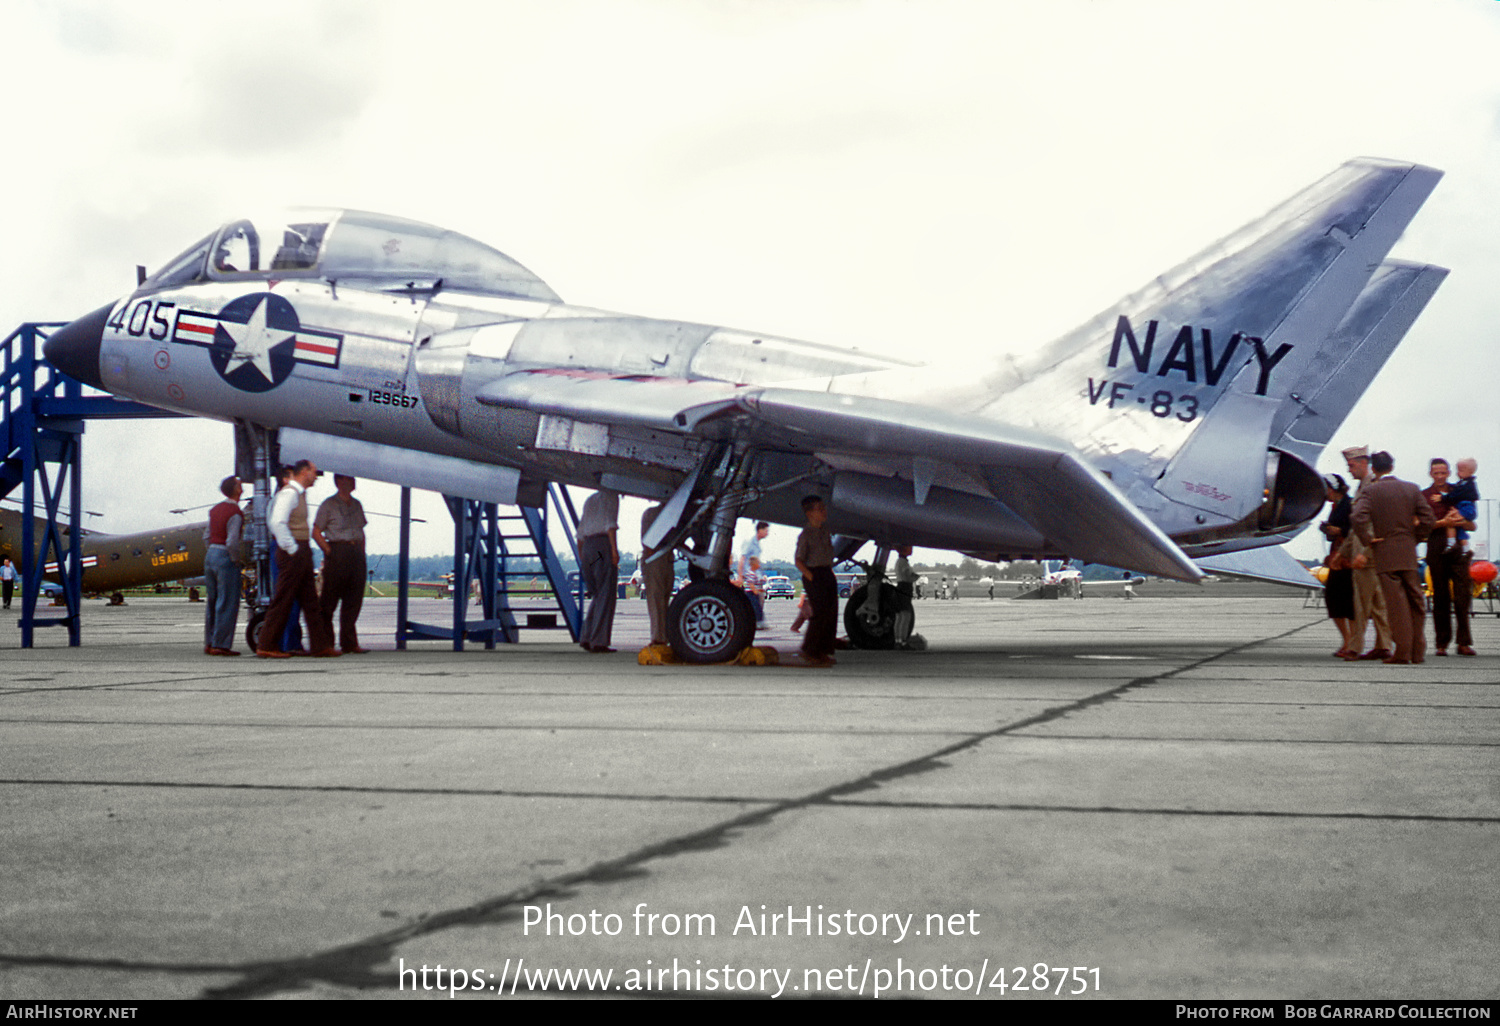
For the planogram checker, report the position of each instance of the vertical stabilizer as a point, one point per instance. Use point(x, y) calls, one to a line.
point(1343, 369)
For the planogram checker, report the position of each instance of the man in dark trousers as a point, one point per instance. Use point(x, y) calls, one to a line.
point(1390, 515)
point(1448, 564)
point(339, 530)
point(815, 562)
point(294, 568)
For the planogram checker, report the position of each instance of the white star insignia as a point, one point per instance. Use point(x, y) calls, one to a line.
point(253, 340)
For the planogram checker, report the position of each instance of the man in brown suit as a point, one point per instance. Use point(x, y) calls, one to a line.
point(1390, 515)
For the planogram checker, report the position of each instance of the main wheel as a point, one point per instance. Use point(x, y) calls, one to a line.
point(881, 632)
point(710, 622)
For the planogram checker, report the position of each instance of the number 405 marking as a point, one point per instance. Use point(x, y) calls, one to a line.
point(147, 317)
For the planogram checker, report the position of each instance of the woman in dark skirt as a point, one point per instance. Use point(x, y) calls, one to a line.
point(1338, 589)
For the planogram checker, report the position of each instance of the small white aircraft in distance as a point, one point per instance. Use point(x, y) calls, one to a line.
point(1063, 571)
point(1182, 422)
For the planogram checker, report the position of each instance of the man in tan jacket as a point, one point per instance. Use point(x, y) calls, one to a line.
point(1369, 600)
point(1390, 515)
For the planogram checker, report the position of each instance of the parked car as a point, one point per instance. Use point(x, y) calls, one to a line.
point(780, 587)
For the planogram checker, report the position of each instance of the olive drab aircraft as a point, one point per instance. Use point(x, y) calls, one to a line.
point(112, 563)
point(1182, 423)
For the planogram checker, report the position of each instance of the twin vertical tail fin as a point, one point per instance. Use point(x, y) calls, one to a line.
point(1263, 341)
point(1341, 370)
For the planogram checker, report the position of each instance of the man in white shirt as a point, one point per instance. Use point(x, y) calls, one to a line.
point(751, 579)
point(599, 553)
point(294, 568)
point(7, 579)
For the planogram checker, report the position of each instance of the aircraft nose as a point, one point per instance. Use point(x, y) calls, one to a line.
point(74, 348)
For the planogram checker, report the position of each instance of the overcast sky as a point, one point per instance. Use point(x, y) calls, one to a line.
point(925, 178)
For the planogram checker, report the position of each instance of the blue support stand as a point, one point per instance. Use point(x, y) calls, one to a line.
point(42, 414)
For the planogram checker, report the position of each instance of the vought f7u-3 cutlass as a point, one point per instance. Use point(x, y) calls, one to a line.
point(1181, 423)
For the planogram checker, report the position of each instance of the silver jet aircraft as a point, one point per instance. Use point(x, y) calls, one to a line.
point(1183, 422)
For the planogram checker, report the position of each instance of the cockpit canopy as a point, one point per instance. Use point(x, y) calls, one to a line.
point(350, 246)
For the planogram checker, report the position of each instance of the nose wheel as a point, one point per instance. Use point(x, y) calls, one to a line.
point(710, 622)
point(252, 629)
point(877, 631)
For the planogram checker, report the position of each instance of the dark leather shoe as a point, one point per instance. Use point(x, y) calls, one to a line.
point(1377, 653)
point(266, 653)
point(1466, 650)
point(1440, 651)
point(1393, 661)
point(327, 653)
point(356, 650)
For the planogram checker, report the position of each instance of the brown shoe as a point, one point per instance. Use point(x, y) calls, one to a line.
point(356, 650)
point(327, 653)
point(1393, 661)
point(1377, 653)
point(209, 650)
point(223, 652)
point(266, 653)
point(1466, 650)
point(1440, 651)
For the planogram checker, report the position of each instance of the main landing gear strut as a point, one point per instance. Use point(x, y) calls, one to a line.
point(711, 620)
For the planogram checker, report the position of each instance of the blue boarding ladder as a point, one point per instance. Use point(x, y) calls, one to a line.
point(489, 547)
point(42, 414)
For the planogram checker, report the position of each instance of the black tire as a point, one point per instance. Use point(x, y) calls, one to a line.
point(882, 633)
point(252, 630)
point(710, 622)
